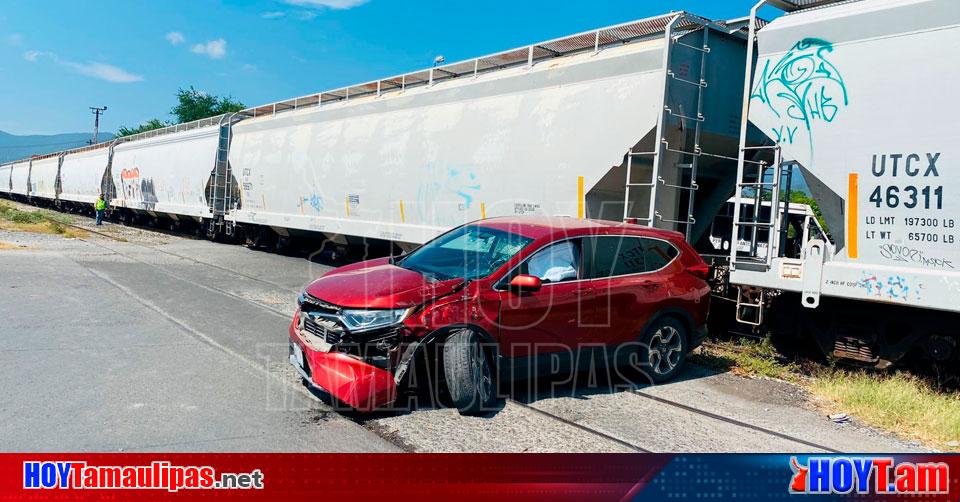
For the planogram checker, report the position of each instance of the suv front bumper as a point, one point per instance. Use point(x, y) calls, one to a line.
point(352, 381)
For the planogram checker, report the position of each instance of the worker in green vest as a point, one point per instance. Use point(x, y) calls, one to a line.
point(100, 206)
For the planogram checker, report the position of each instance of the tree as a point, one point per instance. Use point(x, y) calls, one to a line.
point(194, 105)
point(144, 127)
point(797, 197)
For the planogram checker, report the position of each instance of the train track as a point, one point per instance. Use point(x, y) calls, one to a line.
point(527, 407)
point(733, 421)
point(187, 258)
point(581, 427)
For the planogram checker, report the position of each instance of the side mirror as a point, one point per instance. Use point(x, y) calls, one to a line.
point(526, 283)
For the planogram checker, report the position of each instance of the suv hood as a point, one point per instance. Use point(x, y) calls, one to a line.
point(377, 284)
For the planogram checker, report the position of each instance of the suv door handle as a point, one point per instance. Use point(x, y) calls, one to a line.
point(650, 285)
point(581, 292)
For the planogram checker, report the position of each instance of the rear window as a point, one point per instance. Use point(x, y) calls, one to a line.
point(658, 254)
point(610, 256)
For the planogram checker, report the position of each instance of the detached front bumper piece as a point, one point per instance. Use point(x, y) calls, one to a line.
point(354, 382)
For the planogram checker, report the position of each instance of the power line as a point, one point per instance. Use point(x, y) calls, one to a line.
point(97, 111)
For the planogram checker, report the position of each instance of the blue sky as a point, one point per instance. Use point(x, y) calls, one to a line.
point(59, 57)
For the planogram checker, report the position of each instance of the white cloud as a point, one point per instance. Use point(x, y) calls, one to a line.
point(175, 38)
point(273, 14)
point(33, 56)
point(104, 71)
point(214, 49)
point(306, 15)
point(249, 67)
point(330, 4)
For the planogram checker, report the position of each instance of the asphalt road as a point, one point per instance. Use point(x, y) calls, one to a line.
point(101, 353)
point(172, 344)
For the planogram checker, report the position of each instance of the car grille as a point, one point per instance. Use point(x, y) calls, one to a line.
point(322, 330)
point(313, 304)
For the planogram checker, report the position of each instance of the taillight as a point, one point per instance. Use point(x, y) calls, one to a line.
point(701, 271)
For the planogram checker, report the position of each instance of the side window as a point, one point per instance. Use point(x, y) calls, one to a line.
point(609, 256)
point(657, 254)
point(556, 263)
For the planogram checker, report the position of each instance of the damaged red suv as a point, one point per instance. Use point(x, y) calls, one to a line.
point(502, 298)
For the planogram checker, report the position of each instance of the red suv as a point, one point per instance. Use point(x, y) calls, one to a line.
point(495, 299)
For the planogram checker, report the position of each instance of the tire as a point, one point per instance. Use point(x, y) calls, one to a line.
point(663, 349)
point(468, 373)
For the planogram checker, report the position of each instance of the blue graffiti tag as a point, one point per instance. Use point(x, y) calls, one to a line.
point(466, 185)
point(801, 88)
point(315, 202)
point(895, 287)
point(457, 185)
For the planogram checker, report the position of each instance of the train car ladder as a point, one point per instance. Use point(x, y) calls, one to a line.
point(751, 303)
point(221, 188)
point(688, 169)
point(755, 183)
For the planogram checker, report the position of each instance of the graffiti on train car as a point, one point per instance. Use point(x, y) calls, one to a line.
point(905, 254)
point(894, 287)
point(137, 189)
point(801, 88)
point(315, 201)
point(443, 186)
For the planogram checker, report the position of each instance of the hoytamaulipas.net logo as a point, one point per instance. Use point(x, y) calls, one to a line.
point(868, 475)
point(159, 475)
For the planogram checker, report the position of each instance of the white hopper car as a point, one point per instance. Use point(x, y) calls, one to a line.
point(657, 121)
point(857, 96)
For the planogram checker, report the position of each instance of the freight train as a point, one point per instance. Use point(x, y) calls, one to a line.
point(674, 121)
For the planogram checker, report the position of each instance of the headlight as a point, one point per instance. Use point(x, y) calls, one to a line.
point(358, 320)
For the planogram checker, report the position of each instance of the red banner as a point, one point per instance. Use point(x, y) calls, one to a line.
point(334, 476)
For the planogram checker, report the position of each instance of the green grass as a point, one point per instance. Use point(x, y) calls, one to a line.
point(897, 402)
point(748, 358)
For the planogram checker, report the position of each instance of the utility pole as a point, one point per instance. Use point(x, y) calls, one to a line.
point(97, 111)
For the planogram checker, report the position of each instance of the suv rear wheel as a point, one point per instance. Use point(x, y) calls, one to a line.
point(468, 373)
point(663, 349)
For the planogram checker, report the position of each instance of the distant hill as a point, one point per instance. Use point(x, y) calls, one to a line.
point(14, 147)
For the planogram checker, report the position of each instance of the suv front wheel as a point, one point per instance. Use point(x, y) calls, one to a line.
point(663, 349)
point(468, 373)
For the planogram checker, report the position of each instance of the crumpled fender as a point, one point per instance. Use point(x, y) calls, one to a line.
point(356, 383)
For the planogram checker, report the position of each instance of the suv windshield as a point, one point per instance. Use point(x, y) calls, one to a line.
point(469, 252)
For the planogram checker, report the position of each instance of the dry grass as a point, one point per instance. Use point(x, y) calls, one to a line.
point(898, 402)
point(910, 406)
point(8, 246)
point(37, 221)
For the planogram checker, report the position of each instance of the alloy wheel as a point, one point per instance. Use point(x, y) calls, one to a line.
point(665, 351)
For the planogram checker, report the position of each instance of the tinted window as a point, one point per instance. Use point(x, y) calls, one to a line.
point(556, 263)
point(615, 255)
point(658, 254)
